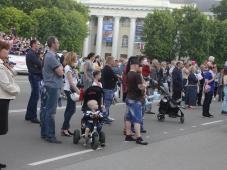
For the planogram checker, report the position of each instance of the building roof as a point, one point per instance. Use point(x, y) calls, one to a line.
point(148, 3)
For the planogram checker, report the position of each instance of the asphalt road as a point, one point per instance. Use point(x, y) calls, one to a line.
point(198, 144)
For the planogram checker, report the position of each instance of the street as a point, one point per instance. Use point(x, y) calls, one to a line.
point(198, 144)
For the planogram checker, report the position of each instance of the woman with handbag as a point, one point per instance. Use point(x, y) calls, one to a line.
point(71, 91)
point(8, 88)
point(208, 90)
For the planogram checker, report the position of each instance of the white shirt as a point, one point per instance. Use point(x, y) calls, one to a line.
point(74, 75)
point(97, 84)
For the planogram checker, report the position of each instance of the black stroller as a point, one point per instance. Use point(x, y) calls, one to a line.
point(96, 137)
point(169, 107)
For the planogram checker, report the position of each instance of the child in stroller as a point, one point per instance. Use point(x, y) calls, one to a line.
point(92, 118)
point(91, 123)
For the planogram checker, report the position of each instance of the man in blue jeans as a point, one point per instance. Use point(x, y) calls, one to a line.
point(52, 79)
point(135, 94)
point(34, 65)
point(109, 80)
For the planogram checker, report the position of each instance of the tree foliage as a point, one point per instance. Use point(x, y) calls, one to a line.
point(184, 32)
point(65, 19)
point(193, 33)
point(159, 31)
point(12, 17)
point(221, 10)
point(29, 5)
point(219, 46)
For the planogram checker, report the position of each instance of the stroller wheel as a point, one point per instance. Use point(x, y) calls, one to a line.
point(95, 141)
point(76, 136)
point(182, 119)
point(161, 117)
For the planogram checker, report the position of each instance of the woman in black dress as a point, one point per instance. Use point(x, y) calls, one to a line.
point(8, 89)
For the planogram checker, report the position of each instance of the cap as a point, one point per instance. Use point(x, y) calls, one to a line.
point(134, 60)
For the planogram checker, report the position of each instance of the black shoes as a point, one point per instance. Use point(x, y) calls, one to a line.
point(2, 166)
point(141, 141)
point(143, 131)
point(35, 121)
point(129, 138)
point(138, 140)
point(53, 140)
point(208, 115)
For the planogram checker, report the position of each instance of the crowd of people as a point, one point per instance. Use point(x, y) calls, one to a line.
point(51, 75)
point(18, 45)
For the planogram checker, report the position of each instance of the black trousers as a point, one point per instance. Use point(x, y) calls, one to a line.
point(200, 94)
point(176, 94)
point(4, 110)
point(206, 103)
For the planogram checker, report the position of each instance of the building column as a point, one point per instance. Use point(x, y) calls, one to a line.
point(86, 42)
point(131, 37)
point(115, 37)
point(99, 36)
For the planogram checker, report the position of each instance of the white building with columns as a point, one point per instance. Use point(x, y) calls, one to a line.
point(115, 26)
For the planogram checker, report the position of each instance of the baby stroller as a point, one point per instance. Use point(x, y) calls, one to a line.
point(169, 107)
point(96, 136)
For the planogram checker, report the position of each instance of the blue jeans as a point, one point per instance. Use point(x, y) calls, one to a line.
point(48, 110)
point(31, 112)
point(69, 111)
point(108, 100)
point(224, 105)
point(135, 112)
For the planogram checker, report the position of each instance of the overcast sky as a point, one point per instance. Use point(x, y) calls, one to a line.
point(203, 5)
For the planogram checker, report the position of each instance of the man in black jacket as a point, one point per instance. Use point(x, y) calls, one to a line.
point(34, 65)
point(109, 80)
point(177, 81)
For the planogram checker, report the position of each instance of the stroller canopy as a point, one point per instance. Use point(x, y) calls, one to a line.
point(93, 93)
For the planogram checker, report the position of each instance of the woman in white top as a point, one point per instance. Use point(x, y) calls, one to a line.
point(224, 106)
point(8, 89)
point(70, 86)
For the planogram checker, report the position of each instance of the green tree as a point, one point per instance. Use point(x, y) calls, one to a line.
point(220, 41)
point(12, 17)
point(194, 36)
point(29, 5)
point(221, 10)
point(70, 28)
point(159, 32)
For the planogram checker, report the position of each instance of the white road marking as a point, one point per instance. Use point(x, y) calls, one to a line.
point(209, 123)
point(165, 133)
point(61, 157)
point(181, 129)
point(194, 126)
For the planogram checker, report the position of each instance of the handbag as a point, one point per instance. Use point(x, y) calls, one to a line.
point(207, 88)
point(74, 97)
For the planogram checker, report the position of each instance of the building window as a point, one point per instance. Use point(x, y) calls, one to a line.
point(108, 44)
point(125, 22)
point(124, 56)
point(124, 41)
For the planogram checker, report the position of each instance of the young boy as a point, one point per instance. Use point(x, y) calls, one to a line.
point(90, 116)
